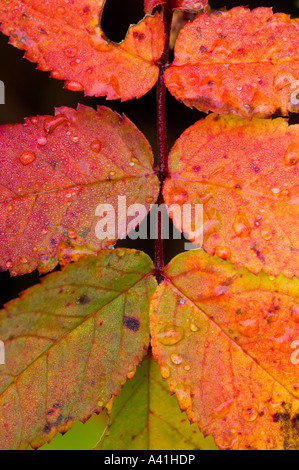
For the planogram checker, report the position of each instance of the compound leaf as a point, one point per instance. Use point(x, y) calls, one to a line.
point(146, 417)
point(240, 61)
point(224, 338)
point(65, 38)
point(55, 171)
point(69, 344)
point(245, 174)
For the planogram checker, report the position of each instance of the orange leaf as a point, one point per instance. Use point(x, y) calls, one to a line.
point(54, 174)
point(224, 339)
point(242, 62)
point(64, 38)
point(70, 343)
point(245, 174)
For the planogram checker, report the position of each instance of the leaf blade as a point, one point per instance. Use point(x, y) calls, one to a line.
point(241, 384)
point(158, 423)
point(244, 173)
point(64, 363)
point(69, 43)
point(79, 160)
point(238, 62)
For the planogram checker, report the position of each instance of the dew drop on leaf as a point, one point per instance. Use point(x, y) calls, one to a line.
point(250, 414)
point(291, 156)
point(27, 158)
point(249, 327)
point(170, 335)
point(176, 359)
point(96, 146)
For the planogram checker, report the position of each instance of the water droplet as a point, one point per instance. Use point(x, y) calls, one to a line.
point(295, 313)
point(282, 79)
point(72, 234)
point(9, 264)
point(42, 141)
point(24, 260)
point(131, 374)
point(193, 327)
point(183, 394)
point(241, 226)
point(266, 234)
point(250, 414)
point(56, 74)
point(73, 86)
point(45, 231)
point(76, 140)
point(275, 190)
point(176, 359)
point(51, 123)
point(71, 52)
point(27, 158)
point(96, 146)
point(187, 367)
point(223, 252)
point(165, 372)
point(60, 11)
point(170, 335)
point(222, 410)
point(112, 173)
point(249, 327)
point(291, 156)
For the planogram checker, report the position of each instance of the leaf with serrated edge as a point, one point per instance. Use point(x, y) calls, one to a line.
point(56, 171)
point(65, 38)
point(240, 61)
point(69, 344)
point(245, 174)
point(228, 355)
point(146, 417)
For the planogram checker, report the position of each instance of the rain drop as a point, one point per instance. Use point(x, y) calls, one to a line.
point(170, 335)
point(27, 158)
point(250, 414)
point(176, 359)
point(96, 146)
point(291, 155)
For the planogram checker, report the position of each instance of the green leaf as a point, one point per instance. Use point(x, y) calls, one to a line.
point(70, 343)
point(146, 417)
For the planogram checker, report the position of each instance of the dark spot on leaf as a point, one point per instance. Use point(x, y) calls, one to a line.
point(132, 323)
point(83, 300)
point(47, 428)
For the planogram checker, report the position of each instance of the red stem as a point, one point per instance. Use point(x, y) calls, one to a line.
point(162, 169)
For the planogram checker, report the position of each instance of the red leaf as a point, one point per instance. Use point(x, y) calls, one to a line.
point(245, 174)
point(240, 61)
point(65, 38)
point(54, 174)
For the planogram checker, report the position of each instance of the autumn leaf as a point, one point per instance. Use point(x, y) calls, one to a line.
point(69, 344)
point(240, 61)
point(55, 171)
point(190, 5)
point(245, 174)
point(66, 39)
point(158, 423)
point(224, 338)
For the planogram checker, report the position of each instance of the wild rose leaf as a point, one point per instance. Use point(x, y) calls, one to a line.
point(54, 174)
point(224, 338)
point(158, 423)
point(245, 174)
point(66, 39)
point(69, 344)
point(190, 5)
point(242, 62)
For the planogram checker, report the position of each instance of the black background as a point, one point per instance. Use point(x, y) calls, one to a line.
point(30, 92)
